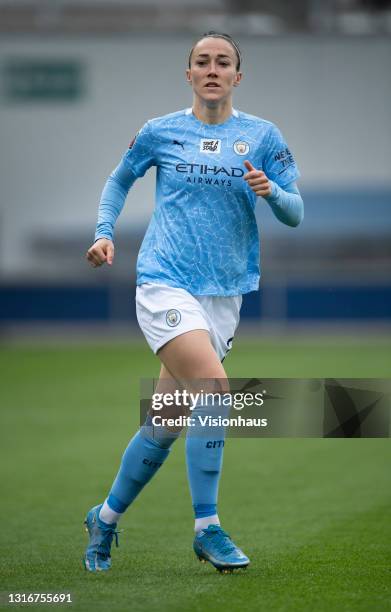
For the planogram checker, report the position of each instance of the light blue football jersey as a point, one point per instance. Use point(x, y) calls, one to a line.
point(203, 235)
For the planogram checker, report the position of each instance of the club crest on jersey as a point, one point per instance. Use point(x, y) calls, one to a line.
point(173, 317)
point(210, 146)
point(241, 147)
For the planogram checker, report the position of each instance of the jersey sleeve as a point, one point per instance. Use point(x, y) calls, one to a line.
point(141, 153)
point(278, 162)
point(134, 164)
point(286, 204)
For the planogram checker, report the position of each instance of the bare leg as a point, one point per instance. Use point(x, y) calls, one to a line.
point(190, 359)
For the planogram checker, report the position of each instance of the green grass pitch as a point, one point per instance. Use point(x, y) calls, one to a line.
point(312, 514)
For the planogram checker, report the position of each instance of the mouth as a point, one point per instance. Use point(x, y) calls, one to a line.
point(212, 85)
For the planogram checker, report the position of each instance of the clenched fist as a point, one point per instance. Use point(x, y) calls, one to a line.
point(257, 180)
point(102, 251)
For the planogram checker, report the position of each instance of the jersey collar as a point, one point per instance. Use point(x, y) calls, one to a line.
point(189, 111)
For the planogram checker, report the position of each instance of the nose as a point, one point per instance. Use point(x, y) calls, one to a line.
point(212, 70)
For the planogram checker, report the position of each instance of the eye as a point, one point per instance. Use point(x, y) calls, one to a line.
point(200, 63)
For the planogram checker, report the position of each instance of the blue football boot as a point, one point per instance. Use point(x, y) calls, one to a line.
point(214, 545)
point(97, 557)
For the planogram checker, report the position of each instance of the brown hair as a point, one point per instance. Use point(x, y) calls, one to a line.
point(228, 38)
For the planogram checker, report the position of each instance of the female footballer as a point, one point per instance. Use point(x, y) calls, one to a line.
point(200, 254)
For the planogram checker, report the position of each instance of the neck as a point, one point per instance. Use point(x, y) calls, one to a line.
point(212, 113)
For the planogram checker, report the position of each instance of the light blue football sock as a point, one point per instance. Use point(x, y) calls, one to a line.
point(143, 457)
point(204, 458)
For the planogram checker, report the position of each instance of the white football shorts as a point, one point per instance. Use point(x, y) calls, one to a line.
point(165, 312)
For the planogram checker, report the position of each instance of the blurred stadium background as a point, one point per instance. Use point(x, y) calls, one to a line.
point(78, 79)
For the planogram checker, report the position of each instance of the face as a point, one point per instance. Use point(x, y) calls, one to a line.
point(212, 72)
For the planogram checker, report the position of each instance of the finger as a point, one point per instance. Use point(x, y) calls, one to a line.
point(262, 191)
point(97, 255)
point(258, 180)
point(249, 165)
point(110, 254)
point(100, 253)
point(92, 259)
point(254, 174)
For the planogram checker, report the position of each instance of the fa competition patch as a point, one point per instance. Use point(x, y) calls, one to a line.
point(133, 140)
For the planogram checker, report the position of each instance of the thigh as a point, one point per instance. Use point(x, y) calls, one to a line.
point(191, 359)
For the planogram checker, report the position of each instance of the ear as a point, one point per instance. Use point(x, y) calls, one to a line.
point(238, 78)
point(188, 75)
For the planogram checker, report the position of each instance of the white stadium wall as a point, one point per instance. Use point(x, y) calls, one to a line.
point(330, 97)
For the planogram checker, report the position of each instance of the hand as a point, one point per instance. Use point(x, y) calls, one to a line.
point(100, 252)
point(257, 180)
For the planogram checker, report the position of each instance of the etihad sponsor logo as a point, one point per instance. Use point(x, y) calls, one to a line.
point(209, 175)
point(205, 169)
point(210, 146)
